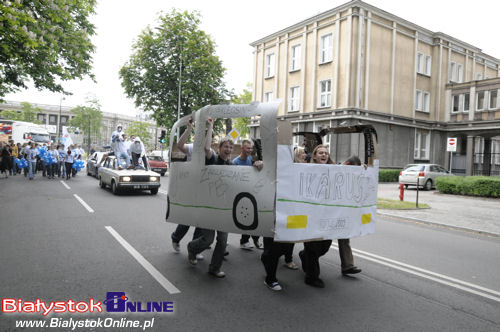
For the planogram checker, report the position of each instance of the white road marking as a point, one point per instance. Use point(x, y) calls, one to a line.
point(440, 278)
point(64, 184)
point(164, 192)
point(145, 264)
point(85, 205)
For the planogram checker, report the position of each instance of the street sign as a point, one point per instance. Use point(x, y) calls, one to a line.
point(452, 144)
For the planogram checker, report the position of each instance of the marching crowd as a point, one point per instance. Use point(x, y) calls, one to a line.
point(203, 238)
point(29, 158)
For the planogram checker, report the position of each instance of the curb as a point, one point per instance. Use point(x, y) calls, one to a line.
point(483, 232)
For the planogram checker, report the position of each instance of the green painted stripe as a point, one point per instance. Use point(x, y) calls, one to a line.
point(322, 204)
point(213, 207)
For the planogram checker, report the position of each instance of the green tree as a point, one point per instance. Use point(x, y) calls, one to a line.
point(29, 113)
point(176, 48)
point(140, 129)
point(241, 124)
point(45, 41)
point(88, 120)
point(11, 115)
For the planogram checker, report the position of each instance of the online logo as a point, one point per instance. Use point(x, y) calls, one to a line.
point(119, 302)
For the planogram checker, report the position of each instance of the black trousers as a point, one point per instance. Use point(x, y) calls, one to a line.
point(271, 255)
point(245, 238)
point(310, 257)
point(69, 167)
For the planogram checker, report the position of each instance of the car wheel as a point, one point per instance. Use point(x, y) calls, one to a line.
point(114, 188)
point(163, 174)
point(101, 183)
point(88, 172)
point(154, 191)
point(428, 185)
point(245, 212)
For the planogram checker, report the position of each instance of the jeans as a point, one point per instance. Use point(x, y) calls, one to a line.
point(181, 231)
point(32, 168)
point(204, 241)
point(14, 166)
point(120, 155)
point(61, 169)
point(52, 169)
point(135, 160)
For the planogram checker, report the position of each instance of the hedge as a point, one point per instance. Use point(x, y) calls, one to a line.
point(484, 186)
point(388, 175)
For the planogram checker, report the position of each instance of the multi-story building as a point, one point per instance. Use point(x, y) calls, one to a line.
point(50, 115)
point(359, 64)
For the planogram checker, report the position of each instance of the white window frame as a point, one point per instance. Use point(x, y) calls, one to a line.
point(426, 101)
point(270, 64)
point(460, 73)
point(268, 96)
point(325, 95)
point(294, 100)
point(428, 65)
point(489, 99)
point(418, 100)
point(452, 73)
point(295, 57)
point(477, 100)
point(496, 151)
point(326, 53)
point(422, 153)
point(420, 63)
point(455, 98)
point(463, 104)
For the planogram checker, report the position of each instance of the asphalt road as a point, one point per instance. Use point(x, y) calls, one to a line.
point(415, 277)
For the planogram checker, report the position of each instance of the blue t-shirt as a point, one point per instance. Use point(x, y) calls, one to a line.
point(240, 162)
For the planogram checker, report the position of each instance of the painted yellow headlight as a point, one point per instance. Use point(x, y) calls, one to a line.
point(153, 179)
point(125, 179)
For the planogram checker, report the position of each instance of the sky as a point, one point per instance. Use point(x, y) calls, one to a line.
point(233, 25)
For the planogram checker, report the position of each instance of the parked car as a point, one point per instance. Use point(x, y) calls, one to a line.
point(94, 162)
point(425, 173)
point(127, 179)
point(158, 164)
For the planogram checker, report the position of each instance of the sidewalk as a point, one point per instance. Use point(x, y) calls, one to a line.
point(461, 212)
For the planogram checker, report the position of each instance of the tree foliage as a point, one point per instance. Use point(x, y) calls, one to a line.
point(45, 41)
point(241, 124)
point(151, 76)
point(88, 119)
point(28, 113)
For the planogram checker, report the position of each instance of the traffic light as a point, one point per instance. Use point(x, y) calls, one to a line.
point(163, 138)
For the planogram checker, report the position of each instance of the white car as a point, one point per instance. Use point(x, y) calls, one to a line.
point(127, 179)
point(425, 173)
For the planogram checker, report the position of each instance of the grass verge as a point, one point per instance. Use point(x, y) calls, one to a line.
point(391, 204)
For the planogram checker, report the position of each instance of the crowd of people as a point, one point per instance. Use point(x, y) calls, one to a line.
point(29, 158)
point(130, 150)
point(203, 238)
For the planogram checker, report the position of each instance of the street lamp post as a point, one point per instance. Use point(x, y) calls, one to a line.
point(59, 126)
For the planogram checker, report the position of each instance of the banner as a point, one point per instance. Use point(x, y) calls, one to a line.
point(66, 139)
point(316, 201)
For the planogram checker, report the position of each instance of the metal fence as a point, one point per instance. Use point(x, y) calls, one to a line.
point(493, 169)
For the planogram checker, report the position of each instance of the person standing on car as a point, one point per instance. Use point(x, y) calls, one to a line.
point(118, 145)
point(137, 151)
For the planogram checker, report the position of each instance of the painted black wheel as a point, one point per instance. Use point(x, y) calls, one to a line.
point(245, 214)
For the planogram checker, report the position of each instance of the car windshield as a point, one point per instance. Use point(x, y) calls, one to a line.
point(155, 158)
point(415, 168)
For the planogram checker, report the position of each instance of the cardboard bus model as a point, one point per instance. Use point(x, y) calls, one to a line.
point(285, 200)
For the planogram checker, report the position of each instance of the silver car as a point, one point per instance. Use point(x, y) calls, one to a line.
point(425, 173)
point(127, 179)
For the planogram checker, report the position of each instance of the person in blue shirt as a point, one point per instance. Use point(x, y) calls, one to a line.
point(245, 159)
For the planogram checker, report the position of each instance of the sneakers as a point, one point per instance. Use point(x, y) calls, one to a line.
point(246, 246)
point(275, 286)
point(192, 258)
point(218, 274)
point(291, 266)
point(176, 246)
point(200, 257)
point(258, 245)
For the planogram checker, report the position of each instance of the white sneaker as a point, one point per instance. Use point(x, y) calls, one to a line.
point(246, 246)
point(176, 246)
point(275, 286)
point(200, 257)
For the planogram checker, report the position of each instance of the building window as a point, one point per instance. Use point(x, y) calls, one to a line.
point(268, 96)
point(480, 100)
point(456, 72)
point(427, 101)
point(53, 120)
point(424, 63)
point(466, 102)
point(422, 144)
point(64, 120)
point(459, 73)
point(295, 128)
point(493, 99)
point(479, 76)
point(325, 93)
point(270, 65)
point(295, 58)
point(418, 100)
point(455, 103)
point(326, 48)
point(293, 105)
point(41, 117)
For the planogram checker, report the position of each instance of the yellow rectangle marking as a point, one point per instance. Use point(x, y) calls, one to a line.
point(299, 221)
point(366, 218)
